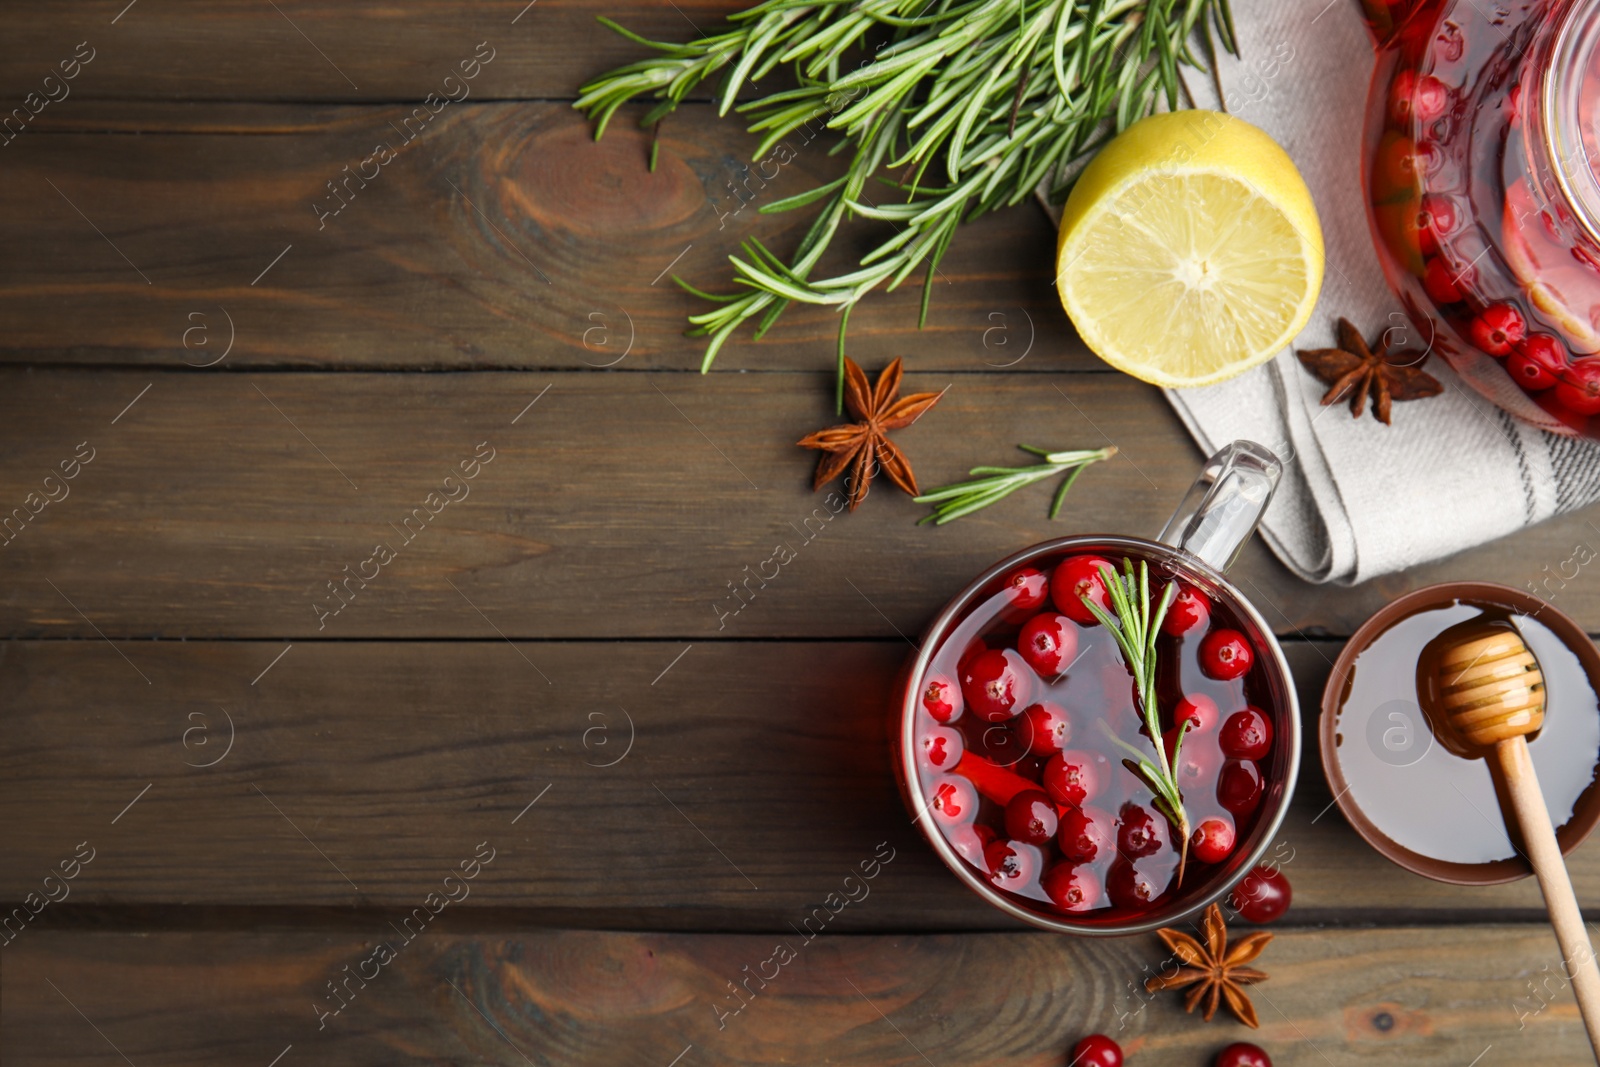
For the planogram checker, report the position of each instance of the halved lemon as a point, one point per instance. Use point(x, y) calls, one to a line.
point(1189, 250)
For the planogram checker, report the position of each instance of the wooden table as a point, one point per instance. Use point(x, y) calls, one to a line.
point(538, 687)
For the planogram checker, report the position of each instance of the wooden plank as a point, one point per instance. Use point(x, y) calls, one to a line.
point(746, 780)
point(618, 506)
point(502, 236)
point(1422, 996)
point(236, 50)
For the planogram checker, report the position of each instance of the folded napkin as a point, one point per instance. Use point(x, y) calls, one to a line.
point(1359, 499)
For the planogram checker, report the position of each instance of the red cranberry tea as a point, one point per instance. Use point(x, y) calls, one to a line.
point(1036, 759)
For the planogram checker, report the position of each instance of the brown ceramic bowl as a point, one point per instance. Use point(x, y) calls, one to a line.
point(1586, 808)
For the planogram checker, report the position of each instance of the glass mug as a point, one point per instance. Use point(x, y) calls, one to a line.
point(1009, 758)
point(1482, 183)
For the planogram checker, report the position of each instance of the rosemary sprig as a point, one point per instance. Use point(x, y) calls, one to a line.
point(964, 107)
point(1135, 629)
point(963, 498)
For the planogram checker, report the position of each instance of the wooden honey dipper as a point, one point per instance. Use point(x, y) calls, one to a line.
point(1491, 695)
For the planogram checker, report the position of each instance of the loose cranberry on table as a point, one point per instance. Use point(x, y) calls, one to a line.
point(1246, 735)
point(1242, 1054)
point(1027, 588)
point(1013, 865)
point(997, 684)
point(1190, 610)
point(1139, 832)
point(941, 698)
point(1096, 1050)
point(1048, 642)
point(1213, 840)
point(1497, 328)
point(1076, 578)
point(1073, 776)
point(1224, 654)
point(1239, 787)
point(1031, 818)
point(1085, 834)
point(1199, 711)
point(1539, 361)
point(1072, 888)
point(1044, 728)
point(1579, 389)
point(1262, 896)
point(942, 747)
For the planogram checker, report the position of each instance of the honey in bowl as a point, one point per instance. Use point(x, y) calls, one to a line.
point(1426, 792)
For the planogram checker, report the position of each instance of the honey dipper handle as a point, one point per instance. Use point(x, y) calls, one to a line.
point(1539, 839)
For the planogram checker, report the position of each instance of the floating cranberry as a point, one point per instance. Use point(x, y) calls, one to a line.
point(1436, 218)
point(1139, 833)
point(1085, 834)
point(1213, 840)
point(942, 699)
point(1246, 735)
point(1048, 642)
point(1497, 328)
point(1224, 654)
point(1196, 763)
point(1239, 787)
point(942, 747)
point(1242, 1054)
point(1262, 895)
point(997, 684)
point(974, 648)
point(1072, 777)
point(1027, 588)
point(1539, 362)
point(954, 801)
point(1072, 888)
point(1044, 728)
point(1096, 1050)
point(1013, 865)
point(985, 832)
point(1422, 98)
point(1199, 711)
point(1031, 818)
point(1129, 887)
point(1076, 578)
point(1443, 284)
point(1190, 610)
point(1579, 388)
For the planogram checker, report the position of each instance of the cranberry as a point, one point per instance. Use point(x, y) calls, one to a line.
point(1096, 1050)
point(1031, 818)
point(1199, 711)
point(954, 801)
point(1224, 654)
point(942, 747)
point(1437, 217)
point(1076, 578)
point(1579, 389)
point(1129, 887)
point(984, 832)
point(1044, 728)
point(1140, 833)
point(1262, 895)
point(1246, 735)
point(1539, 362)
point(1213, 840)
point(1013, 865)
point(1027, 588)
point(942, 699)
point(1072, 888)
point(1423, 98)
point(1073, 776)
point(1242, 1054)
point(1442, 283)
point(1196, 764)
point(974, 648)
point(1085, 834)
point(997, 684)
point(1497, 328)
point(1048, 642)
point(1239, 787)
point(1190, 610)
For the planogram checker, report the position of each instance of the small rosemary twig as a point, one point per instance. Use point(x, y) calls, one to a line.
point(963, 498)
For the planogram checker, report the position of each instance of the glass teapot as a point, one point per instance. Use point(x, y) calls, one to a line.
point(1482, 181)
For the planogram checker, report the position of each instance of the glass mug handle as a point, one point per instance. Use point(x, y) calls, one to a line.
point(1225, 504)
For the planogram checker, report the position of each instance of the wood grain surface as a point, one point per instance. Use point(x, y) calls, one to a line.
point(1402, 994)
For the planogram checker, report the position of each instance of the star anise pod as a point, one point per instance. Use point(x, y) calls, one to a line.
point(1354, 370)
point(1217, 973)
point(864, 446)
